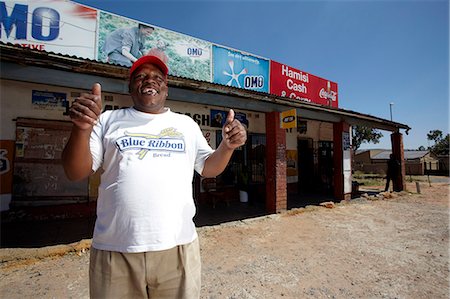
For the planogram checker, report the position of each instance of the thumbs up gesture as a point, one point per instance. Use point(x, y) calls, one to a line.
point(86, 109)
point(234, 133)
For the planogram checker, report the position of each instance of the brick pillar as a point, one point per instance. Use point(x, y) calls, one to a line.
point(276, 184)
point(397, 151)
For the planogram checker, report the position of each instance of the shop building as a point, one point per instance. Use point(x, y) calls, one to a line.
point(313, 157)
point(38, 85)
point(416, 162)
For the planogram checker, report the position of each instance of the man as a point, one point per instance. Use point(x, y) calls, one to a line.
point(125, 45)
point(392, 172)
point(145, 243)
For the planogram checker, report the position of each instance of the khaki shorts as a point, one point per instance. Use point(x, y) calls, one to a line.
point(172, 273)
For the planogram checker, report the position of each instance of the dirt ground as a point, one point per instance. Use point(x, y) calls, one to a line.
point(367, 248)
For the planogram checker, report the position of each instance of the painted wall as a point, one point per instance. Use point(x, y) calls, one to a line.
point(16, 100)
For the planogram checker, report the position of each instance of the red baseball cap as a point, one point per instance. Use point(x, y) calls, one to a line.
point(152, 59)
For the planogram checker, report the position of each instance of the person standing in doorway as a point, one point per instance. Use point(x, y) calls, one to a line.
point(145, 243)
point(393, 168)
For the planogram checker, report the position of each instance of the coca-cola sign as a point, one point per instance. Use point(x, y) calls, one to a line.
point(292, 83)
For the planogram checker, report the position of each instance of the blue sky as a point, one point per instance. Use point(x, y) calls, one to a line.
point(379, 52)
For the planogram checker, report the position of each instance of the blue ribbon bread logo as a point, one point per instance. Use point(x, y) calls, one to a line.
point(167, 140)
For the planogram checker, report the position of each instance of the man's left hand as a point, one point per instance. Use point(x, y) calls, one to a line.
point(233, 132)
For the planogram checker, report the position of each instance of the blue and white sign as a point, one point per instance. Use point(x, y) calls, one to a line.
point(49, 100)
point(234, 68)
point(52, 25)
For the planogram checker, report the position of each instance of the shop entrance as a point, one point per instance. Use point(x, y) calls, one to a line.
point(315, 173)
point(246, 169)
point(245, 173)
point(305, 165)
point(326, 167)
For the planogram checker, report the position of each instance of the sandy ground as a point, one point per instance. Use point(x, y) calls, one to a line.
point(385, 248)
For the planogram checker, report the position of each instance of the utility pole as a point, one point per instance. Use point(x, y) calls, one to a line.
point(390, 108)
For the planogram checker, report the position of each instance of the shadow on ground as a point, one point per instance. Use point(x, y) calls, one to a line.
point(64, 224)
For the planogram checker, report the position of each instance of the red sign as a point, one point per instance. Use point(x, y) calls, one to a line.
point(291, 83)
point(6, 165)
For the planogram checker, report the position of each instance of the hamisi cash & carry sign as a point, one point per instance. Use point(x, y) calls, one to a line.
point(292, 83)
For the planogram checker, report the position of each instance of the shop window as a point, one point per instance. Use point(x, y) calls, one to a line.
point(302, 126)
point(326, 165)
point(257, 158)
point(248, 163)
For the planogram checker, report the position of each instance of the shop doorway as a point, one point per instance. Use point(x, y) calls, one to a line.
point(245, 173)
point(315, 173)
point(326, 167)
point(305, 165)
point(247, 167)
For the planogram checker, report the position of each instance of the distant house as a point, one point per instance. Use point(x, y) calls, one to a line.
point(444, 164)
point(416, 162)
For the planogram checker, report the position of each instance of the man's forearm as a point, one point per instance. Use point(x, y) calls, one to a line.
point(126, 52)
point(217, 162)
point(76, 156)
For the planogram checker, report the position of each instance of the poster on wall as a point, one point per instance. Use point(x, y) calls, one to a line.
point(219, 117)
point(49, 25)
point(237, 69)
point(48, 100)
point(210, 136)
point(291, 162)
point(292, 83)
point(186, 56)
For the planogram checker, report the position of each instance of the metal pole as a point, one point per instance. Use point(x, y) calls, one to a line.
point(390, 108)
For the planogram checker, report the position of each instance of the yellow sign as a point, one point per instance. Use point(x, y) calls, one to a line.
point(288, 119)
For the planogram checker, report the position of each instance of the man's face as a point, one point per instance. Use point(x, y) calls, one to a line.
point(148, 89)
point(147, 31)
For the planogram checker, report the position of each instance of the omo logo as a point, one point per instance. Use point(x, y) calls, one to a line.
point(197, 52)
point(254, 82)
point(44, 22)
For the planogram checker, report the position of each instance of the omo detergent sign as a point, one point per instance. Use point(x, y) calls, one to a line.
point(234, 68)
point(186, 56)
point(50, 25)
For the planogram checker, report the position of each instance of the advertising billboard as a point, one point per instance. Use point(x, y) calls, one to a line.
point(292, 83)
point(186, 56)
point(49, 25)
point(69, 28)
point(237, 69)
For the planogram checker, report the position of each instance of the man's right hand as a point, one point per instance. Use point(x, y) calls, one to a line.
point(86, 109)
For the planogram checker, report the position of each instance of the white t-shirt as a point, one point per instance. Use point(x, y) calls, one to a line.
point(145, 198)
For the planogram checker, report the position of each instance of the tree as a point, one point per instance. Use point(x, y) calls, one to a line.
point(441, 144)
point(434, 135)
point(362, 134)
point(421, 148)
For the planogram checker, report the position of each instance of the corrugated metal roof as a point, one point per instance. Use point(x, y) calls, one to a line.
point(409, 155)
